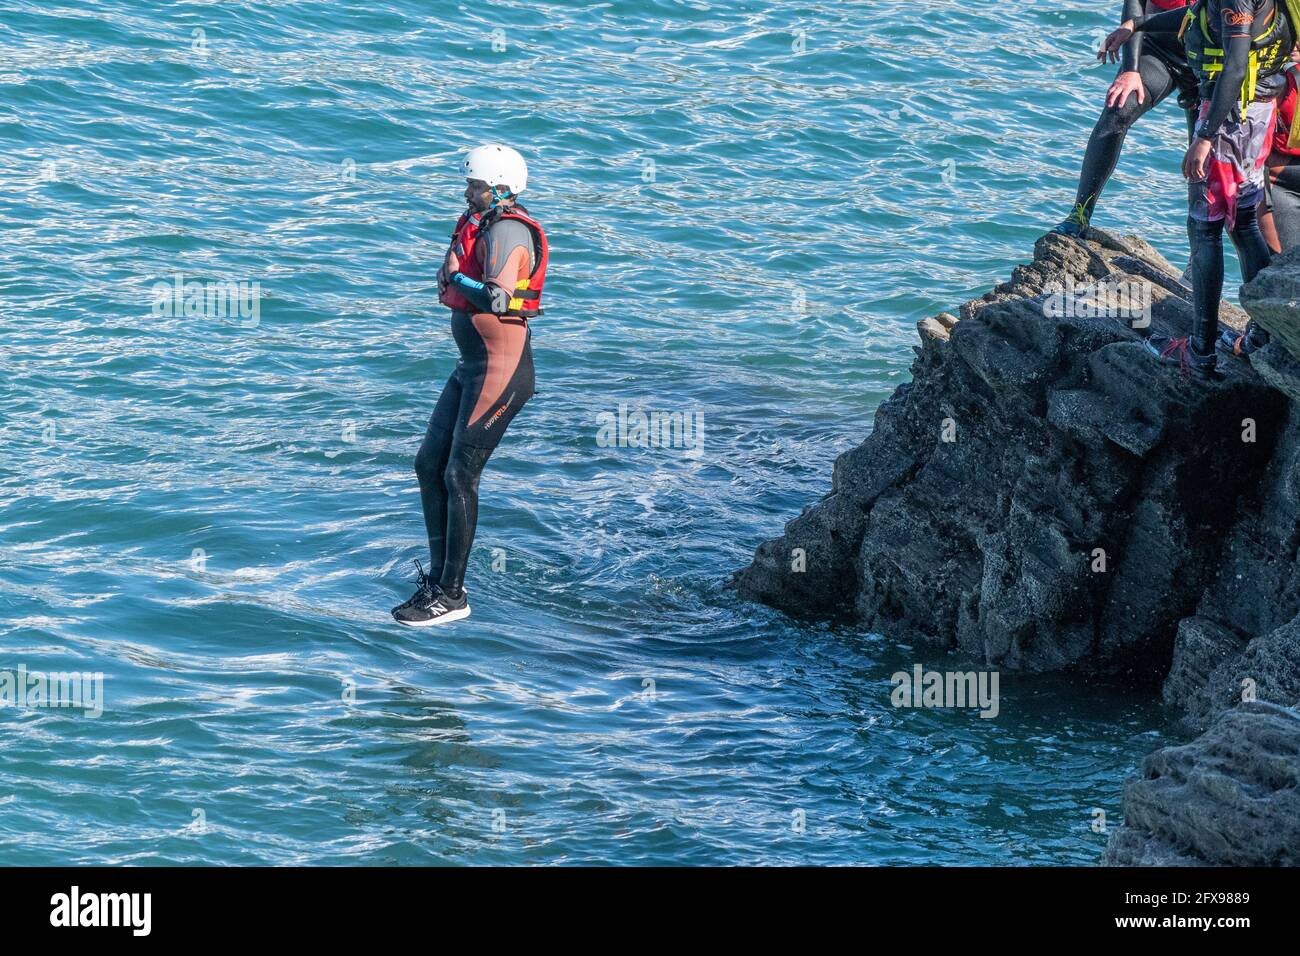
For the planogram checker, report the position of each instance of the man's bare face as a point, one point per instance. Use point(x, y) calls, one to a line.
point(478, 194)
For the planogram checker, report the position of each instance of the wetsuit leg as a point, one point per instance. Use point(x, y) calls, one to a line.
point(496, 379)
point(1107, 140)
point(1286, 205)
point(1254, 255)
point(431, 463)
point(1206, 240)
point(463, 471)
point(1252, 250)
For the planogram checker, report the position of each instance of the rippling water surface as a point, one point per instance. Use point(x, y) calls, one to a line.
point(217, 514)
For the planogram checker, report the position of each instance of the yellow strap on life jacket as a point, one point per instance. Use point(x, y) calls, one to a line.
point(1293, 140)
point(520, 286)
point(1214, 56)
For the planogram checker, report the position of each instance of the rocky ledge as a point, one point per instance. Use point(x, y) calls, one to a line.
point(1045, 496)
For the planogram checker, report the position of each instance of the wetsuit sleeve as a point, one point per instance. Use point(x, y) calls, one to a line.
point(478, 294)
point(1131, 55)
point(1167, 21)
point(1238, 28)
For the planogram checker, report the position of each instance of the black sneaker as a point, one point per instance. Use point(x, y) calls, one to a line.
point(1243, 344)
point(423, 591)
point(430, 605)
point(1180, 352)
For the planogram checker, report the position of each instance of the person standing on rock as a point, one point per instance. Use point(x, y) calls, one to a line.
point(1239, 49)
point(1151, 69)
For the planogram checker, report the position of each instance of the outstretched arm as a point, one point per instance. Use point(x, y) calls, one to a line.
point(1167, 21)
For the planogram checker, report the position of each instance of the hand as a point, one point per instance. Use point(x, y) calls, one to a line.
point(1111, 46)
point(1197, 156)
point(450, 265)
point(1126, 84)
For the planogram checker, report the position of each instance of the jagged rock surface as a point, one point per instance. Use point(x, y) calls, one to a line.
point(1232, 796)
point(1044, 496)
point(1273, 300)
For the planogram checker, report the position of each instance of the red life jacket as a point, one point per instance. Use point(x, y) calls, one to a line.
point(1286, 117)
point(1169, 4)
point(526, 296)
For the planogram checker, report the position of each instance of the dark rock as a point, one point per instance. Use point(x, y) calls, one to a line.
point(1273, 300)
point(1231, 797)
point(1043, 494)
point(1046, 496)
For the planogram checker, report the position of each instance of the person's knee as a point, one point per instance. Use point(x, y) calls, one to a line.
point(1206, 231)
point(461, 477)
point(464, 467)
point(428, 461)
point(1119, 119)
point(1247, 222)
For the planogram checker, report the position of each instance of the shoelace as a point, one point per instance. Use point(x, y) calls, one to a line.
point(1079, 215)
point(422, 580)
point(1180, 347)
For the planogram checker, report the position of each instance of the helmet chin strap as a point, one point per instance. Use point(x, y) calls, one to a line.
point(497, 199)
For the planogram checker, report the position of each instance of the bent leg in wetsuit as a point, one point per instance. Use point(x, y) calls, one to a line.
point(1161, 63)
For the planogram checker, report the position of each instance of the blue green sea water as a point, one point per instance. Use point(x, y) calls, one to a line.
point(216, 513)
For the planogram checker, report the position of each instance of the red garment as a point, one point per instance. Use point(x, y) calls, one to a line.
point(1285, 116)
point(1169, 4)
point(1237, 157)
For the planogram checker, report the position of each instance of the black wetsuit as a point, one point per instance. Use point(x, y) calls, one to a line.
point(1162, 63)
point(1233, 25)
point(491, 382)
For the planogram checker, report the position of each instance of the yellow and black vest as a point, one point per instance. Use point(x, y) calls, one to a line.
point(1269, 53)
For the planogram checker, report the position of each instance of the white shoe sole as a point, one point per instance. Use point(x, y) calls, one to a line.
point(449, 618)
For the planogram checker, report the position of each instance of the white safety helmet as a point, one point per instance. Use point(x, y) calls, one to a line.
point(497, 166)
